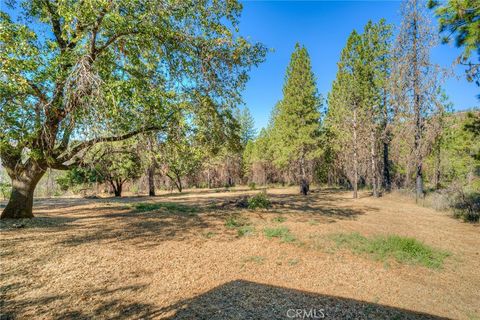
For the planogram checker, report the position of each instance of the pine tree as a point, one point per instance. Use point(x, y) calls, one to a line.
point(247, 126)
point(344, 106)
point(374, 55)
point(296, 121)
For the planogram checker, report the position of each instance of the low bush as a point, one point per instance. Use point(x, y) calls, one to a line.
point(466, 205)
point(462, 201)
point(252, 186)
point(259, 201)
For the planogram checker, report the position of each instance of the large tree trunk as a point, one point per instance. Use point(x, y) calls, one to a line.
point(20, 204)
point(151, 180)
point(118, 191)
point(117, 187)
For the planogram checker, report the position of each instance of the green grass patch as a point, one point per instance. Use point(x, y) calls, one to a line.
point(282, 232)
point(209, 235)
point(402, 249)
point(169, 206)
point(234, 222)
point(242, 225)
point(259, 201)
point(247, 230)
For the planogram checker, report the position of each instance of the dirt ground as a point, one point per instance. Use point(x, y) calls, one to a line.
point(102, 259)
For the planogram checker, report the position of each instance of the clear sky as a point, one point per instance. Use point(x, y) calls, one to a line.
point(323, 27)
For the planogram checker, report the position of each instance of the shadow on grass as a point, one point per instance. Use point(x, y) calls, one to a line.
point(320, 204)
point(233, 300)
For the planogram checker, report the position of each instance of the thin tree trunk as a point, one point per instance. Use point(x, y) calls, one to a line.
point(208, 178)
point(418, 116)
point(304, 185)
point(264, 175)
point(20, 204)
point(437, 167)
point(177, 181)
point(373, 158)
point(387, 183)
point(355, 160)
point(179, 184)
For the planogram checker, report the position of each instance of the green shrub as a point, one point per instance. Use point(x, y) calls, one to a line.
point(252, 186)
point(402, 249)
point(259, 201)
point(283, 233)
point(466, 205)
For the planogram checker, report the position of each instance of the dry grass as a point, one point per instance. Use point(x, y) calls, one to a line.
point(105, 259)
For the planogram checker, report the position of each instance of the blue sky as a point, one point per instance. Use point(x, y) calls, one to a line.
point(323, 27)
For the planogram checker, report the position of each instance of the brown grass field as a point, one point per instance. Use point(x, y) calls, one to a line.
point(103, 259)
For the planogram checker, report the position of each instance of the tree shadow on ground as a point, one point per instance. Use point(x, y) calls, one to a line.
point(119, 222)
point(321, 204)
point(242, 299)
point(101, 306)
point(237, 299)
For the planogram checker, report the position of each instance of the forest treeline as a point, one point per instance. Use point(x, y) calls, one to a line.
point(130, 104)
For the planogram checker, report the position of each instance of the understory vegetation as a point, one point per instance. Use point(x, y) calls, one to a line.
point(401, 249)
point(167, 206)
point(259, 201)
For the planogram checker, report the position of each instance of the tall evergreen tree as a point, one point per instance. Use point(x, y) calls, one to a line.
point(374, 67)
point(247, 126)
point(344, 109)
point(296, 121)
point(358, 114)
